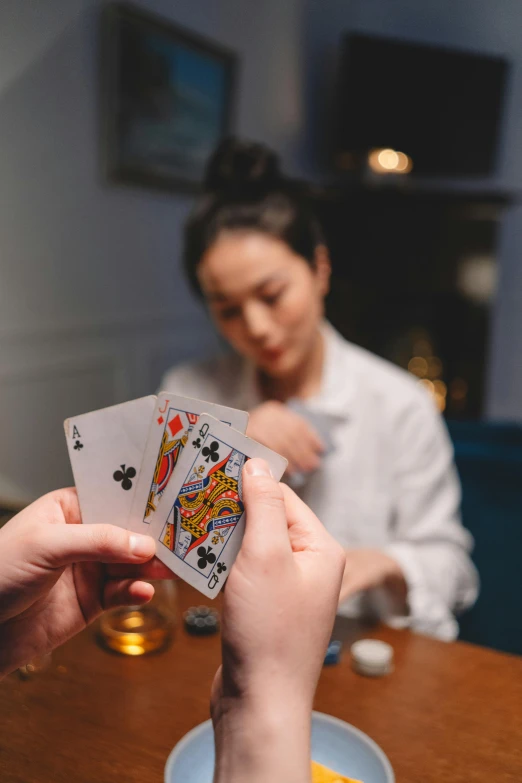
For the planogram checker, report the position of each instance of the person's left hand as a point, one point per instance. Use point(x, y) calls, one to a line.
point(57, 575)
point(369, 568)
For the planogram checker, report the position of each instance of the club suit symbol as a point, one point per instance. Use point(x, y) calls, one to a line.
point(124, 475)
point(211, 452)
point(206, 556)
point(78, 446)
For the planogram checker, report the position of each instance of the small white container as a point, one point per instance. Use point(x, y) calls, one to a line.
point(372, 657)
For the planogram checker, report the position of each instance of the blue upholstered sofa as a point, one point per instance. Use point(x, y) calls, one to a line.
point(489, 460)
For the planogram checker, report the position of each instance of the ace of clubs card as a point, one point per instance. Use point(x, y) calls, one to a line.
point(106, 450)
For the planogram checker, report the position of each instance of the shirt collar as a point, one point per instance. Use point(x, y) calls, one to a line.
point(338, 383)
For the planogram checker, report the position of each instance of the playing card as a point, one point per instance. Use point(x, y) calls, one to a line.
point(171, 425)
point(324, 424)
point(200, 523)
point(106, 451)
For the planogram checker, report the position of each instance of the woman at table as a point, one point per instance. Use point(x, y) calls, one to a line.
point(381, 478)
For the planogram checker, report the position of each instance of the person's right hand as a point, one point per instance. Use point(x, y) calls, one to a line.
point(278, 610)
point(275, 425)
point(57, 575)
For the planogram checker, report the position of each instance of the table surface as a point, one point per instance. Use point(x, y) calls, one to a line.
point(449, 713)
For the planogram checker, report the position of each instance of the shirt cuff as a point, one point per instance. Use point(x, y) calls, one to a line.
point(428, 613)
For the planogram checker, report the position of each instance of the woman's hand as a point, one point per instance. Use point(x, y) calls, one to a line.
point(57, 575)
point(369, 568)
point(279, 606)
point(276, 426)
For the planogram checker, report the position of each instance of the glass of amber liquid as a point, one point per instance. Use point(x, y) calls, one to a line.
point(137, 630)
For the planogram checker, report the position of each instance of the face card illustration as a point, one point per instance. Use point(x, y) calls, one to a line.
point(106, 452)
point(200, 523)
point(172, 423)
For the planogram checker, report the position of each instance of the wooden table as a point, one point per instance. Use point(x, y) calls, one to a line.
point(449, 713)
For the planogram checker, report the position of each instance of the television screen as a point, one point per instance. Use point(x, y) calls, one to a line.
point(441, 107)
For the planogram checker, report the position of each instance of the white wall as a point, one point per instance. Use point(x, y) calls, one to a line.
point(477, 25)
point(93, 306)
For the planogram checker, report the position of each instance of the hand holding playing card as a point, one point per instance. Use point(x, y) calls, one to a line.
point(286, 432)
point(53, 581)
point(278, 611)
point(200, 523)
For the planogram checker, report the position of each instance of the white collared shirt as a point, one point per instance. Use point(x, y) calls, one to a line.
point(389, 483)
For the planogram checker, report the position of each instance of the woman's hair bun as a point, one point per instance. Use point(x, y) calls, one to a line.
point(242, 169)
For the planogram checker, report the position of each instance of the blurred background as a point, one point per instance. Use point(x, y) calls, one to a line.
point(403, 122)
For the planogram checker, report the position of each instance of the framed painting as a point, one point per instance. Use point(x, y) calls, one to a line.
point(167, 99)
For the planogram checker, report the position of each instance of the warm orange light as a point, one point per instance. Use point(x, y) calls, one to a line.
point(458, 389)
point(388, 161)
point(434, 367)
point(428, 385)
point(440, 388)
point(440, 402)
point(438, 391)
point(135, 649)
point(405, 163)
point(418, 366)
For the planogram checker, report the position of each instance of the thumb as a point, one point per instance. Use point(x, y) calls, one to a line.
point(304, 528)
point(65, 544)
point(266, 526)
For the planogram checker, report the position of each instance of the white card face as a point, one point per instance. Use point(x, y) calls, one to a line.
point(200, 523)
point(171, 427)
point(106, 452)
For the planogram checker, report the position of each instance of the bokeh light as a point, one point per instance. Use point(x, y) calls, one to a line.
point(418, 365)
point(385, 160)
point(440, 387)
point(458, 389)
point(428, 385)
point(434, 367)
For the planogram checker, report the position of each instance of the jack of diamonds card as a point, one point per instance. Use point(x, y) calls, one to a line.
point(172, 423)
point(200, 524)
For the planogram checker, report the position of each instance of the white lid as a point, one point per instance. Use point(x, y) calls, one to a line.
point(373, 654)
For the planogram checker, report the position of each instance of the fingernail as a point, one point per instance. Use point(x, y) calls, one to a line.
point(258, 467)
point(142, 546)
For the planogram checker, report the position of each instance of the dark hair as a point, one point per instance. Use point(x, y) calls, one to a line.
point(245, 190)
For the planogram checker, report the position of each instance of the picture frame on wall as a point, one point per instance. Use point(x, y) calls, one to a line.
point(167, 99)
